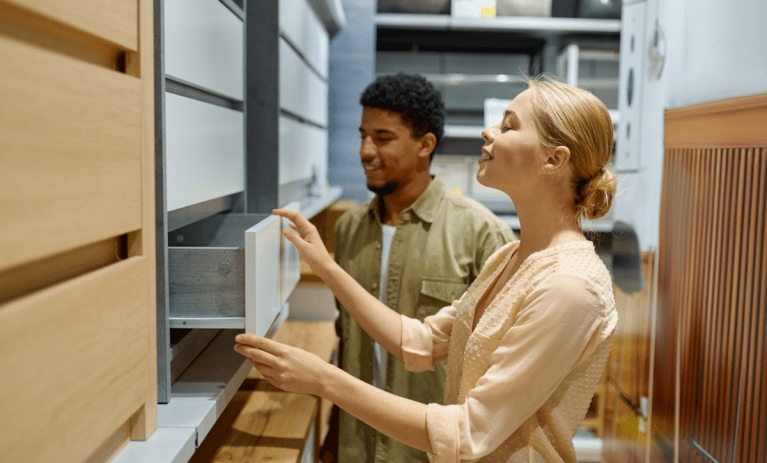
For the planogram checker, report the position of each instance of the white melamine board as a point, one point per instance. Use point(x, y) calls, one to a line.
point(166, 445)
point(262, 275)
point(204, 45)
point(303, 151)
point(301, 26)
point(204, 151)
point(301, 91)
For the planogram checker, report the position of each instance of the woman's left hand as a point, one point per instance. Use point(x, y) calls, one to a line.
point(289, 368)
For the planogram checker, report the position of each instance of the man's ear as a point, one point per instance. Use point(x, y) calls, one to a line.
point(428, 144)
point(556, 159)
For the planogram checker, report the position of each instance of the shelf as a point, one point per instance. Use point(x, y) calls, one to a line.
point(531, 25)
point(464, 131)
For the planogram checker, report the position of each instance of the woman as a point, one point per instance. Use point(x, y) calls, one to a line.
point(527, 343)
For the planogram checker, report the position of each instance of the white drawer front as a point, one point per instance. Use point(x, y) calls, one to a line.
point(291, 259)
point(204, 151)
point(262, 275)
point(301, 26)
point(303, 151)
point(301, 91)
point(204, 45)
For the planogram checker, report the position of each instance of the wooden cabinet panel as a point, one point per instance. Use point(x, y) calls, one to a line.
point(74, 358)
point(113, 20)
point(70, 147)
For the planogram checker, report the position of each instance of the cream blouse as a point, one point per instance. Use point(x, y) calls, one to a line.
point(519, 385)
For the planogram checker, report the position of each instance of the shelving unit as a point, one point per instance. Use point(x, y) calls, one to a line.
point(536, 26)
point(472, 59)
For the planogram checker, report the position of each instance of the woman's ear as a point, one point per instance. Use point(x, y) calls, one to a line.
point(428, 145)
point(556, 159)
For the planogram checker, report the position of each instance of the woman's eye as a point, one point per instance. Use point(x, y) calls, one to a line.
point(505, 129)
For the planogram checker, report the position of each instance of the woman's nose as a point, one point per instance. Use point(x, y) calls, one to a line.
point(489, 134)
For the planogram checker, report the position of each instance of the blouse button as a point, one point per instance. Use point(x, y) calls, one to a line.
point(374, 285)
point(378, 245)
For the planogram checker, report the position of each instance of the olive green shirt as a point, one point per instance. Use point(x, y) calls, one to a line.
point(440, 244)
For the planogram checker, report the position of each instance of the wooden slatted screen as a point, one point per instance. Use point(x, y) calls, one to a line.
point(712, 284)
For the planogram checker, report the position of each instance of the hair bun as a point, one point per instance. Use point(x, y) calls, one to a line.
point(595, 196)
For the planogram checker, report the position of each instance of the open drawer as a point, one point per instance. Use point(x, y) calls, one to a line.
point(231, 271)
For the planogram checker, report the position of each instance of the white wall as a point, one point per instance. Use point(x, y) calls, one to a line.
point(715, 50)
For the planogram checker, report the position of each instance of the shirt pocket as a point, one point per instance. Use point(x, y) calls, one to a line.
point(437, 293)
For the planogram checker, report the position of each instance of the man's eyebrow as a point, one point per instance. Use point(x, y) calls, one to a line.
point(377, 130)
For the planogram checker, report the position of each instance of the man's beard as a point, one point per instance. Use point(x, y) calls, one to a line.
point(387, 188)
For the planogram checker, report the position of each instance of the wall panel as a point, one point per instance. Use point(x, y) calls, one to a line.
point(711, 285)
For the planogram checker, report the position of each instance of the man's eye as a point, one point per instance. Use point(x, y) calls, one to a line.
point(505, 129)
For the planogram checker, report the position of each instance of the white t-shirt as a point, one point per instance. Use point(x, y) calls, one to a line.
point(379, 353)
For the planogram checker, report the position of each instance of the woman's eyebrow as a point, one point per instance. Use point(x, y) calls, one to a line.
point(511, 115)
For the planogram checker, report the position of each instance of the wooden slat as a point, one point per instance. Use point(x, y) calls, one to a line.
point(73, 359)
point(748, 442)
point(112, 20)
point(70, 136)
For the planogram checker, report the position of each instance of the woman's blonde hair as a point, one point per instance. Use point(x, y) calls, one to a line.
point(572, 117)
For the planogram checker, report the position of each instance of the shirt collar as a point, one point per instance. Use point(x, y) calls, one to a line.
point(423, 207)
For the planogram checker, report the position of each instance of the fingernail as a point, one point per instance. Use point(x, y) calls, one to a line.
point(238, 338)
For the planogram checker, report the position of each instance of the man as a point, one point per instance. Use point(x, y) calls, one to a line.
point(414, 246)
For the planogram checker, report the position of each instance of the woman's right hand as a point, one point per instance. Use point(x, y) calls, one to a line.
point(308, 242)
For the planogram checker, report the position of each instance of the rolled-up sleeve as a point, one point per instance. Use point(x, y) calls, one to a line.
point(559, 325)
point(426, 344)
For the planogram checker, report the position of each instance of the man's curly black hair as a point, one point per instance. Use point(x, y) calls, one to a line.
point(413, 97)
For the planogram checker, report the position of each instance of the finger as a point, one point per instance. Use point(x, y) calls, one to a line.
point(295, 217)
point(256, 355)
point(294, 238)
point(254, 340)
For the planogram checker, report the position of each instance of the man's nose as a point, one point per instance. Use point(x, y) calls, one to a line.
point(367, 147)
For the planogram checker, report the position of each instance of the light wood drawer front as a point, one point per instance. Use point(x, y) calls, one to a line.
point(205, 151)
point(303, 151)
point(301, 91)
point(74, 361)
point(301, 26)
point(113, 20)
point(70, 150)
point(204, 45)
